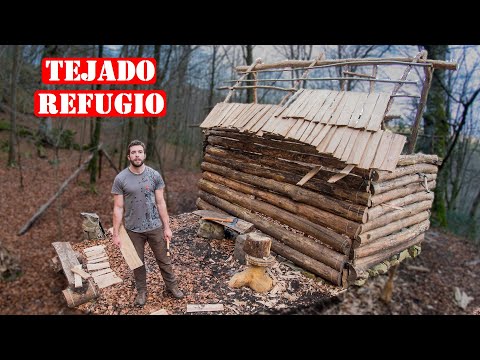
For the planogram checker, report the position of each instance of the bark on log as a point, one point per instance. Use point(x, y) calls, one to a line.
point(389, 206)
point(374, 234)
point(306, 246)
point(257, 245)
point(75, 299)
point(400, 193)
point(282, 151)
point(395, 215)
point(325, 172)
point(313, 214)
point(382, 187)
point(368, 261)
point(405, 160)
point(329, 237)
point(356, 197)
point(383, 175)
point(392, 241)
point(60, 191)
point(342, 208)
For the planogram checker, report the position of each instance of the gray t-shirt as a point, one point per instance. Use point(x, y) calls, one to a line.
point(138, 192)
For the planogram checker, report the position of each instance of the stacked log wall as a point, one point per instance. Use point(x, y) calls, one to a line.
point(256, 179)
point(399, 213)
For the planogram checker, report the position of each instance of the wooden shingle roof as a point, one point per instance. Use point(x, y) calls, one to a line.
point(344, 124)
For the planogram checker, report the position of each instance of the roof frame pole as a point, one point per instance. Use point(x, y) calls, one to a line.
point(374, 76)
point(304, 75)
point(250, 68)
point(255, 88)
point(422, 55)
point(344, 83)
point(412, 139)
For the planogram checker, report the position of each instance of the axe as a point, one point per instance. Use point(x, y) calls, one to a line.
point(229, 221)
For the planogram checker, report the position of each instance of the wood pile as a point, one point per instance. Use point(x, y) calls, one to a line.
point(335, 230)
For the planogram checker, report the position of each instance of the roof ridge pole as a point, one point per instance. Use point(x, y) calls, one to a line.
point(420, 56)
point(250, 68)
point(320, 57)
point(412, 139)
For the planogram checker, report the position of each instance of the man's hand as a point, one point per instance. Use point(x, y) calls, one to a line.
point(116, 240)
point(167, 234)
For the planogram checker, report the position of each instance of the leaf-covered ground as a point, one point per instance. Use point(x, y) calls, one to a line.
point(425, 285)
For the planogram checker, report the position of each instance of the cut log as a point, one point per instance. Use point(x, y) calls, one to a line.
point(395, 215)
point(342, 208)
point(211, 182)
point(255, 277)
point(392, 241)
point(59, 192)
point(382, 187)
point(356, 197)
point(382, 175)
point(325, 235)
point(81, 272)
point(392, 205)
point(257, 245)
point(368, 261)
point(298, 242)
point(68, 259)
point(75, 299)
point(128, 250)
point(400, 193)
point(405, 160)
point(390, 228)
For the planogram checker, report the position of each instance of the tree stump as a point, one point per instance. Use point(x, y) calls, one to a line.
point(255, 275)
point(210, 230)
point(75, 298)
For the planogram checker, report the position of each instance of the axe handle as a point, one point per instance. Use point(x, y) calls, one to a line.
point(219, 219)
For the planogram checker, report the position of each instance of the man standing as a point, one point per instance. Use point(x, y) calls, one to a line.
point(139, 189)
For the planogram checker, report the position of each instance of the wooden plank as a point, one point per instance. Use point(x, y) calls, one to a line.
point(99, 266)
point(366, 113)
point(321, 135)
point(326, 140)
point(359, 147)
point(221, 112)
point(231, 116)
point(128, 250)
point(296, 104)
point(98, 256)
point(77, 277)
point(333, 107)
point(204, 307)
point(301, 130)
point(285, 126)
point(309, 175)
point(101, 272)
point(284, 107)
point(394, 152)
point(370, 151)
point(343, 117)
point(248, 116)
point(107, 280)
point(320, 100)
point(308, 131)
point(81, 272)
point(350, 144)
point(343, 143)
point(88, 251)
point(335, 141)
point(293, 130)
point(358, 111)
point(68, 260)
point(254, 126)
point(326, 105)
point(225, 114)
point(382, 150)
point(244, 109)
point(99, 260)
point(314, 133)
point(378, 114)
point(310, 102)
point(258, 116)
point(305, 102)
point(213, 113)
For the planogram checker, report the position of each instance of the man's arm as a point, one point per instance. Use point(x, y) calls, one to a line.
point(162, 211)
point(117, 217)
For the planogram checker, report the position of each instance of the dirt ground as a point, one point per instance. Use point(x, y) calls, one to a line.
point(425, 285)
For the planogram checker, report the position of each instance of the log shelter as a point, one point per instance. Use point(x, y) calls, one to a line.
point(319, 172)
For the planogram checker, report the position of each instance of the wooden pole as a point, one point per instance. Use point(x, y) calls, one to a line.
point(397, 204)
point(400, 193)
point(383, 175)
point(248, 70)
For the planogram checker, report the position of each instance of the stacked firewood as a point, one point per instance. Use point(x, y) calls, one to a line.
point(328, 226)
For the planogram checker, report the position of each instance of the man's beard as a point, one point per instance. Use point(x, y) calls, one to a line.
point(135, 165)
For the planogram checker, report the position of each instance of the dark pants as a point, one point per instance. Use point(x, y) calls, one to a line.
point(159, 247)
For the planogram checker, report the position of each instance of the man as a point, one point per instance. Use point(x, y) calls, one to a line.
point(139, 189)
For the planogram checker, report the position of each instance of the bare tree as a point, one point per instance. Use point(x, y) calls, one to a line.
point(12, 153)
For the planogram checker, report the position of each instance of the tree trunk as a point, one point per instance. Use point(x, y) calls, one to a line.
point(12, 151)
point(249, 61)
